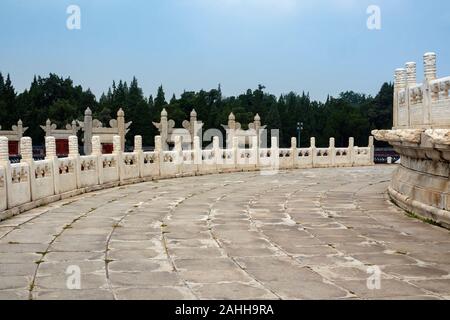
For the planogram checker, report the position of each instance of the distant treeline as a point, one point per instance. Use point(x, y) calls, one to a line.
point(349, 115)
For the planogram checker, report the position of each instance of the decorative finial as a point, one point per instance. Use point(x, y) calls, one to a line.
point(193, 113)
point(120, 113)
point(231, 116)
point(88, 112)
point(164, 113)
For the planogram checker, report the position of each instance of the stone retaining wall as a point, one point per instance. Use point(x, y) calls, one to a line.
point(421, 183)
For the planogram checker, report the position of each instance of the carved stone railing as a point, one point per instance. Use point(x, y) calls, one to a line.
point(421, 135)
point(32, 183)
point(421, 105)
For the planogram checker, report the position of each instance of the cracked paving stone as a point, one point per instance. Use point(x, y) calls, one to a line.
point(302, 234)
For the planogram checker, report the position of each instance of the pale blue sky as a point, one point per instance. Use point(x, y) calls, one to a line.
point(320, 46)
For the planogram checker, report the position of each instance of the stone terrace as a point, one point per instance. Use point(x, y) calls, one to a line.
point(303, 234)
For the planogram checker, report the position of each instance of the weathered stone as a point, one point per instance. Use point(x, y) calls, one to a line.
point(421, 135)
point(209, 237)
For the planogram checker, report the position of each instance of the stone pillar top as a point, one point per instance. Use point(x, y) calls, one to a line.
point(50, 148)
point(137, 143)
point(429, 62)
point(26, 149)
point(351, 142)
point(293, 142)
point(164, 113)
point(4, 150)
point(411, 68)
point(400, 78)
point(193, 113)
point(87, 128)
point(257, 122)
point(332, 143)
point(121, 127)
point(73, 146)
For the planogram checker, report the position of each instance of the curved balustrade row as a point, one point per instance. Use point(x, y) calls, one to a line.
point(32, 183)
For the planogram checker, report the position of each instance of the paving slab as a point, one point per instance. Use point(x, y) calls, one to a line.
point(301, 234)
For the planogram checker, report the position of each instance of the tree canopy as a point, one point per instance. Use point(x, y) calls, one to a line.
point(59, 99)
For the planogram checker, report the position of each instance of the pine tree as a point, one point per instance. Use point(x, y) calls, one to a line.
point(2, 84)
point(160, 100)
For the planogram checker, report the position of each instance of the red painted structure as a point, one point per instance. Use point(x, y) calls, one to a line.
point(62, 147)
point(107, 148)
point(13, 148)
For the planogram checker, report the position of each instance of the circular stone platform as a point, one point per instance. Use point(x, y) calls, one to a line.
point(305, 234)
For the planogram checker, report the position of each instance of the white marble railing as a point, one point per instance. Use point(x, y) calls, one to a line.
point(421, 105)
point(32, 183)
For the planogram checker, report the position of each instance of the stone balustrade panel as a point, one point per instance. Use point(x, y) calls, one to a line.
point(189, 167)
point(43, 184)
point(88, 168)
point(265, 158)
point(247, 159)
point(304, 158)
point(150, 164)
point(226, 160)
point(109, 166)
point(67, 174)
point(322, 157)
point(168, 164)
point(286, 158)
point(129, 168)
point(361, 155)
point(18, 185)
point(342, 156)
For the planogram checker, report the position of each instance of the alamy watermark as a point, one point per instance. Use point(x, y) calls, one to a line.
point(73, 21)
point(374, 280)
point(374, 19)
point(73, 281)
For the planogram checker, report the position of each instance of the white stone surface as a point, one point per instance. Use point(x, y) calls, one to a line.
point(302, 234)
point(421, 135)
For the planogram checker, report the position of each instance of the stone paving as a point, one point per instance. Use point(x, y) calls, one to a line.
point(304, 234)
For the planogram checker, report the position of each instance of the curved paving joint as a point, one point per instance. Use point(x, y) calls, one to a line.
point(306, 234)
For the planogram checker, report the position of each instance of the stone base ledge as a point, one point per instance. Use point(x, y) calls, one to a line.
point(439, 216)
